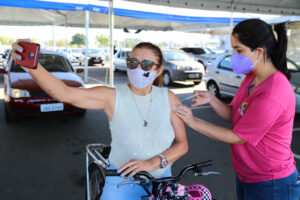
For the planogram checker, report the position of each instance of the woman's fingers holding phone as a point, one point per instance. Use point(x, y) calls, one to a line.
point(16, 49)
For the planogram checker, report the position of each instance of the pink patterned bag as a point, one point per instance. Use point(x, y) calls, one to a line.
point(198, 192)
point(175, 191)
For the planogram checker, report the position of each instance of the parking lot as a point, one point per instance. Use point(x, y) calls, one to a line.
point(45, 158)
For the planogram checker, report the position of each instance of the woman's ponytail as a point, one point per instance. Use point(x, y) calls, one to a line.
point(278, 55)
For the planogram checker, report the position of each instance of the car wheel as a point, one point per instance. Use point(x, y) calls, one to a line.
point(8, 117)
point(197, 82)
point(213, 88)
point(91, 63)
point(102, 62)
point(96, 181)
point(167, 78)
point(115, 68)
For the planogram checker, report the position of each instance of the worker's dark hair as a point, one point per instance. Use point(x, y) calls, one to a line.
point(256, 33)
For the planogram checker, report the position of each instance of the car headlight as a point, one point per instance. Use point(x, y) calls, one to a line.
point(17, 93)
point(180, 68)
point(296, 89)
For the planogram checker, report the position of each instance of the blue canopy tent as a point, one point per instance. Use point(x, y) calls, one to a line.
point(13, 18)
point(72, 14)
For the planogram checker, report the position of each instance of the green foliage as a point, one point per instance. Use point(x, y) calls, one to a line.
point(34, 40)
point(103, 41)
point(78, 39)
point(6, 41)
point(130, 43)
point(60, 43)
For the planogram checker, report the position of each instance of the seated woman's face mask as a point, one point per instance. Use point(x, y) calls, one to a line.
point(242, 64)
point(140, 78)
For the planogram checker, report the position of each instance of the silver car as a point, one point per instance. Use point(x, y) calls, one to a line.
point(179, 66)
point(221, 80)
point(5, 57)
point(120, 59)
point(201, 54)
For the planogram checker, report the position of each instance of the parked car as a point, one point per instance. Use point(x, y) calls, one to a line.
point(95, 56)
point(24, 98)
point(201, 54)
point(70, 55)
point(76, 54)
point(221, 80)
point(120, 59)
point(5, 57)
point(179, 66)
point(105, 52)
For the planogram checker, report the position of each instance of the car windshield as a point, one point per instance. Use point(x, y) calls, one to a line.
point(94, 51)
point(198, 51)
point(76, 51)
point(52, 63)
point(176, 56)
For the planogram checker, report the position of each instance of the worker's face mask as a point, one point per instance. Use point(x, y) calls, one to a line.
point(242, 64)
point(140, 78)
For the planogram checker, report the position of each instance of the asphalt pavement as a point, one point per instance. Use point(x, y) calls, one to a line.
point(45, 158)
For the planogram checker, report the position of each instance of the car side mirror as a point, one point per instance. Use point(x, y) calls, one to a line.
point(2, 71)
point(79, 70)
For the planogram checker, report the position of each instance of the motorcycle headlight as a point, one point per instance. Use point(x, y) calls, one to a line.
point(17, 93)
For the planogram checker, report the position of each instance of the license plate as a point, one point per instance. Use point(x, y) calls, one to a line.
point(52, 107)
point(193, 75)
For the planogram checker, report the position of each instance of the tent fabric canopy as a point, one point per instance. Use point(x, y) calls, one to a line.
point(281, 7)
point(37, 12)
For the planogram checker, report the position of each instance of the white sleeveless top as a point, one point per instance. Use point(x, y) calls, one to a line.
point(130, 139)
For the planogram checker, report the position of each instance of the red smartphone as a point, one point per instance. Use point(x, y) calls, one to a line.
point(29, 55)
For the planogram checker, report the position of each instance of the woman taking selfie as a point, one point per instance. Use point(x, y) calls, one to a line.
point(146, 134)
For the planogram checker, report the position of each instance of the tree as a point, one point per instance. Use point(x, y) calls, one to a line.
point(6, 41)
point(60, 43)
point(78, 39)
point(103, 41)
point(130, 43)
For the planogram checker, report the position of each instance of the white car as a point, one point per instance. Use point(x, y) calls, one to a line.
point(221, 80)
point(73, 54)
point(120, 59)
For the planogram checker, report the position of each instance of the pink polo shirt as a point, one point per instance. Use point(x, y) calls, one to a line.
point(265, 121)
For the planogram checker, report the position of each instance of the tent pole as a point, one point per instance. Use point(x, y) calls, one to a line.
point(87, 16)
point(53, 38)
point(66, 24)
point(231, 27)
point(111, 41)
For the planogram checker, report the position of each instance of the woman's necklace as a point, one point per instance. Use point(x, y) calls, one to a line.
point(144, 118)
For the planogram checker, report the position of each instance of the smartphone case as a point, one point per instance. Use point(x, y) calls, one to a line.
point(29, 55)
